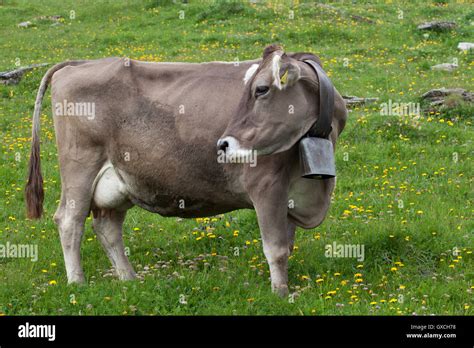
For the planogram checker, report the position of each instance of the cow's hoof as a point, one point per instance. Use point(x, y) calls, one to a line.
point(280, 290)
point(126, 275)
point(76, 279)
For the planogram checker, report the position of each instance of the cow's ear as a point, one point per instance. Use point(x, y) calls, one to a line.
point(289, 74)
point(274, 48)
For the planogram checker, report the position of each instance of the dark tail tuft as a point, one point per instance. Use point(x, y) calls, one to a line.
point(34, 188)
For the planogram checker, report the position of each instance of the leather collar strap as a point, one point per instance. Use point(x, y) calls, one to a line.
point(322, 128)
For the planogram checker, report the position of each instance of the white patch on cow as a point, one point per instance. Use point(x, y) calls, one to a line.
point(250, 72)
point(109, 190)
point(276, 71)
point(237, 154)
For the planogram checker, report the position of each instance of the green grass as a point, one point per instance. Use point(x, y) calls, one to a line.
point(381, 160)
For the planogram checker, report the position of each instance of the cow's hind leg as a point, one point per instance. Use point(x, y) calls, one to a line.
point(74, 207)
point(110, 205)
point(108, 227)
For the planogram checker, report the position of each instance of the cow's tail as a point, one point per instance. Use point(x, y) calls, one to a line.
point(34, 192)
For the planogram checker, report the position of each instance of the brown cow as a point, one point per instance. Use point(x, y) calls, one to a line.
point(138, 133)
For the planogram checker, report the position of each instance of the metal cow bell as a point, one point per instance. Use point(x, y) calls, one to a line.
point(317, 158)
point(316, 151)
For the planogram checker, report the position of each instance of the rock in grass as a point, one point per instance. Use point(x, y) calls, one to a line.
point(56, 20)
point(465, 46)
point(355, 101)
point(437, 97)
point(445, 67)
point(26, 24)
point(437, 26)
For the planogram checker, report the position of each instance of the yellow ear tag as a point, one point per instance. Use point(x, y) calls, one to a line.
point(284, 78)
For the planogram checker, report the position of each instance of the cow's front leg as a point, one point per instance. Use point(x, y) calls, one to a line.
point(270, 203)
point(291, 236)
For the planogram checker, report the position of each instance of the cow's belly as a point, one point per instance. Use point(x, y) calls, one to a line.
point(169, 206)
point(117, 189)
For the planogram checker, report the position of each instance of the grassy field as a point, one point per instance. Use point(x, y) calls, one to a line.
point(404, 187)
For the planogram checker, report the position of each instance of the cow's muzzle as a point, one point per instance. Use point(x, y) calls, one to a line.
point(222, 145)
point(228, 145)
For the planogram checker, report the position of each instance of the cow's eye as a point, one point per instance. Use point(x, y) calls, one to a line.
point(261, 90)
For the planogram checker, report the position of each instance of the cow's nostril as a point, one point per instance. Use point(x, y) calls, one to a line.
point(222, 145)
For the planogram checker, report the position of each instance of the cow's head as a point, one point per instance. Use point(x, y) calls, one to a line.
point(278, 105)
